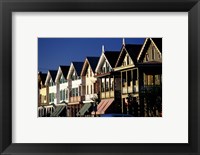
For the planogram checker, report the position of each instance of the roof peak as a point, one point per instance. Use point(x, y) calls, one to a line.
point(123, 41)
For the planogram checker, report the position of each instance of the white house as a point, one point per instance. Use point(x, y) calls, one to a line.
point(62, 85)
point(75, 88)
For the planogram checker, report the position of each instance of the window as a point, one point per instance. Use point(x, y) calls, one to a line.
point(153, 52)
point(123, 63)
point(62, 79)
point(107, 86)
point(127, 60)
point(90, 72)
point(102, 85)
point(61, 95)
point(123, 79)
point(66, 94)
point(51, 97)
point(51, 83)
point(135, 78)
point(104, 69)
point(76, 91)
point(73, 92)
point(147, 57)
point(129, 78)
point(112, 84)
point(87, 73)
point(157, 80)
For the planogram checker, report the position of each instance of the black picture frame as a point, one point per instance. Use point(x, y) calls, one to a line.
point(9, 6)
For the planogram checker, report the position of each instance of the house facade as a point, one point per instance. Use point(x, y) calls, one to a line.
point(50, 92)
point(42, 94)
point(140, 67)
point(75, 88)
point(128, 81)
point(61, 92)
point(109, 83)
point(150, 73)
point(89, 85)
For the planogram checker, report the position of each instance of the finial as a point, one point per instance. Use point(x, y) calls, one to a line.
point(103, 50)
point(123, 41)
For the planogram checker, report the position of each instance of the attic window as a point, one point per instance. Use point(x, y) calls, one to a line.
point(127, 60)
point(104, 69)
point(51, 83)
point(62, 79)
point(147, 57)
point(90, 72)
point(153, 52)
point(124, 63)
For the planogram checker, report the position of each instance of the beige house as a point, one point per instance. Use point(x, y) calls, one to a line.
point(89, 84)
point(75, 88)
point(109, 82)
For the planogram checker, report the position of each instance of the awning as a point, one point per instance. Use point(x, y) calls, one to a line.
point(103, 106)
point(58, 110)
point(83, 110)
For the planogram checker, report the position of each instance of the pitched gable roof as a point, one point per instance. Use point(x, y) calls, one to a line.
point(89, 61)
point(93, 61)
point(43, 77)
point(132, 49)
point(78, 67)
point(53, 74)
point(112, 57)
point(64, 70)
point(148, 41)
point(158, 42)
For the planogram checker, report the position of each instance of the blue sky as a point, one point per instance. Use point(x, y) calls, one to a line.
point(53, 52)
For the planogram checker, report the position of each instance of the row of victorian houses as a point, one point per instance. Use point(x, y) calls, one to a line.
point(128, 81)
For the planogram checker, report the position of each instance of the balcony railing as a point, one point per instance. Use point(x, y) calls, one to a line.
point(76, 99)
point(89, 96)
point(151, 88)
point(107, 94)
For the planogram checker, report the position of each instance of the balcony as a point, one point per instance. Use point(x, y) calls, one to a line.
point(130, 89)
point(151, 88)
point(76, 99)
point(89, 96)
point(107, 94)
